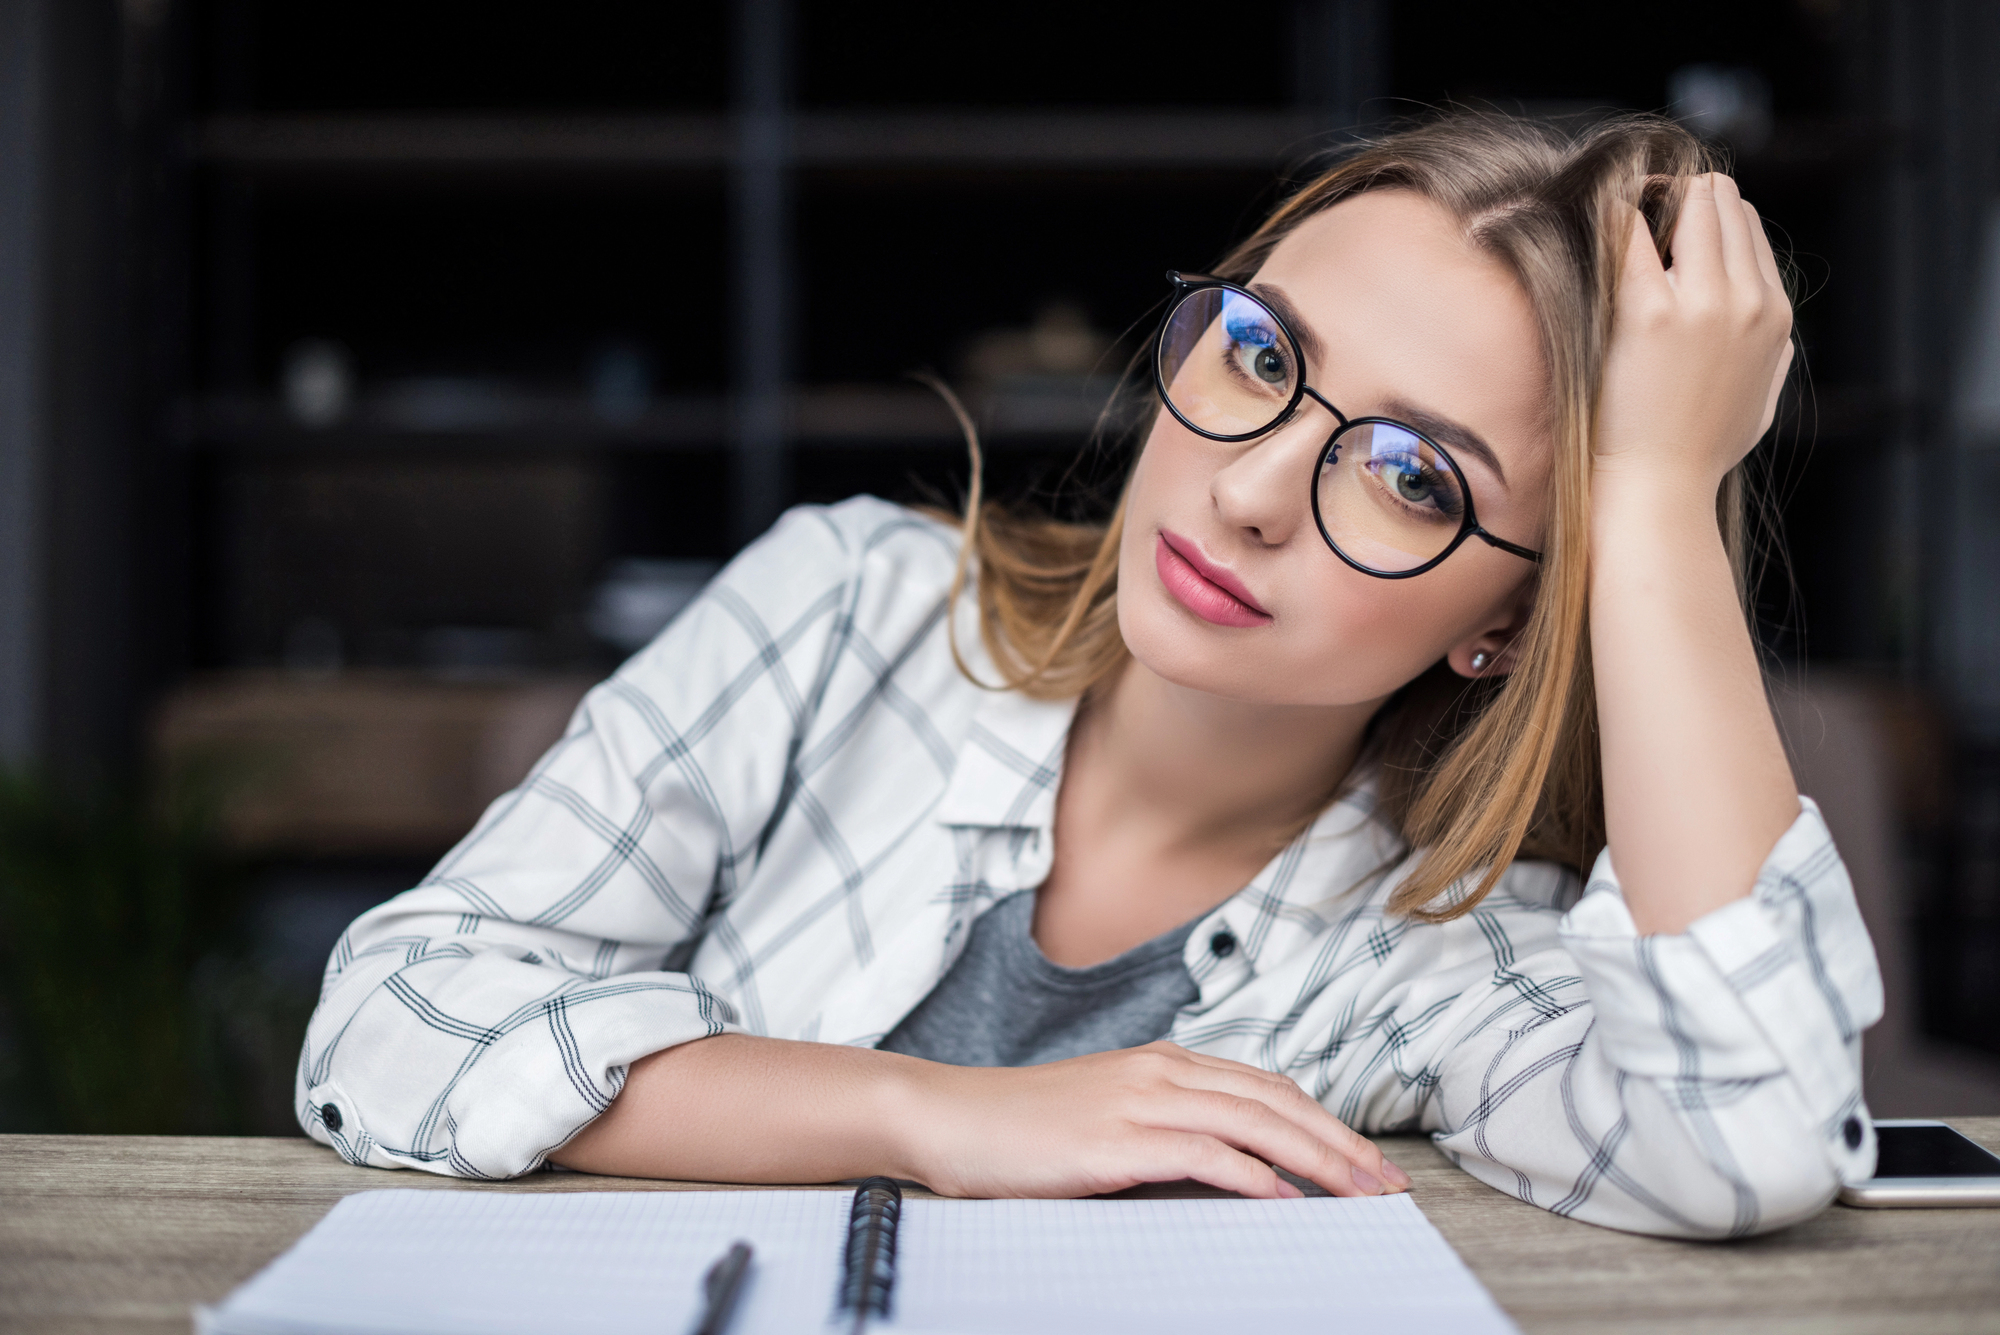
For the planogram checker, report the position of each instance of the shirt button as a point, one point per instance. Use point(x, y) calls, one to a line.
point(1850, 1131)
point(1223, 944)
point(329, 1113)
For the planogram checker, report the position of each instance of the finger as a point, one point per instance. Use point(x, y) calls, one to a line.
point(1739, 252)
point(1283, 1096)
point(1252, 1125)
point(1697, 244)
point(1169, 1156)
point(1767, 261)
point(1641, 274)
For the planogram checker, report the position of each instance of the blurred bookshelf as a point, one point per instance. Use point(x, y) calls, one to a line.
point(501, 328)
point(489, 329)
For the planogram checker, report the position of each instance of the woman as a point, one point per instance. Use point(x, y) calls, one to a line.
point(1024, 858)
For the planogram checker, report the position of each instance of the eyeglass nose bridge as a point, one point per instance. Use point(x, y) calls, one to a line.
point(1308, 392)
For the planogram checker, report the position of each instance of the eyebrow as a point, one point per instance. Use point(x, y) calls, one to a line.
point(1447, 432)
point(1309, 342)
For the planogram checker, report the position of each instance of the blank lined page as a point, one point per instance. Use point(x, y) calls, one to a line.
point(417, 1262)
point(413, 1262)
point(1199, 1266)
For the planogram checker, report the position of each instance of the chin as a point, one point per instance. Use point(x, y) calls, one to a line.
point(1230, 663)
point(1255, 665)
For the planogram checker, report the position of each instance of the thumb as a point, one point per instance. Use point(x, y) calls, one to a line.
point(1640, 269)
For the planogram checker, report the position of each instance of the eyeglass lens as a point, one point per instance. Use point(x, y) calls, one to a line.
point(1388, 500)
point(1226, 363)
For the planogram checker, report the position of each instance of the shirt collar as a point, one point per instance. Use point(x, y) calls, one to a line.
point(1009, 764)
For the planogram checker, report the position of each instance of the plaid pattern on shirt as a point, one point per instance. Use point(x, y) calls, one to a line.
point(784, 816)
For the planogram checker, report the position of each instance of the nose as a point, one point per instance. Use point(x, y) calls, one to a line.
point(1262, 491)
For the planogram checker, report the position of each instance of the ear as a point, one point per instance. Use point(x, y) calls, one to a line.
point(1496, 644)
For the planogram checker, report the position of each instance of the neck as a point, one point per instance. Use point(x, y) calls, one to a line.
point(1204, 770)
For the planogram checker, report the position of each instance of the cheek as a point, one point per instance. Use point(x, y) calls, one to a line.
point(1174, 469)
point(1367, 637)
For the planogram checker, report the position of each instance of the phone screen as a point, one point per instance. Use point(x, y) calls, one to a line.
point(1930, 1151)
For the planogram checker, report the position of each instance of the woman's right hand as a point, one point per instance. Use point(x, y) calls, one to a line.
point(1115, 1119)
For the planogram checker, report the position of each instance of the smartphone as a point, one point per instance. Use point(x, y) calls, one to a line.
point(1926, 1164)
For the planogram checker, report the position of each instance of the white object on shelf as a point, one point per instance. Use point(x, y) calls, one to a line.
point(1732, 104)
point(318, 382)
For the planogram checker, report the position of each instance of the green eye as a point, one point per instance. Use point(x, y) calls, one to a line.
point(1269, 366)
point(1413, 487)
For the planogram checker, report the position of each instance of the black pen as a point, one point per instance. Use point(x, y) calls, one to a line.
point(720, 1287)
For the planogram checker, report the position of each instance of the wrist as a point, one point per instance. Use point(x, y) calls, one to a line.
point(1630, 500)
point(912, 1103)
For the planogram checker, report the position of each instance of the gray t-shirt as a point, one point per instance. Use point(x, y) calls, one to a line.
point(1004, 1003)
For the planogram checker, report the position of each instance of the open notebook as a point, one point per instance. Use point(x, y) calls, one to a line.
point(441, 1262)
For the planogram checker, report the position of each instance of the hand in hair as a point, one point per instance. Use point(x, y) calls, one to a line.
point(1697, 789)
point(737, 1108)
point(1699, 349)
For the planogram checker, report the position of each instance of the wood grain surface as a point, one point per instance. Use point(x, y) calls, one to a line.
point(123, 1235)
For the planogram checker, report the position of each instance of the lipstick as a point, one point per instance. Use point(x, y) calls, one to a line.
point(1203, 587)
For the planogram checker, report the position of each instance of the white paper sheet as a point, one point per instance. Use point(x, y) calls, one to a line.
point(443, 1262)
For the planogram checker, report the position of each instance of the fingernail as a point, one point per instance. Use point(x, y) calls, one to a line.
point(1398, 1179)
point(1287, 1191)
point(1366, 1183)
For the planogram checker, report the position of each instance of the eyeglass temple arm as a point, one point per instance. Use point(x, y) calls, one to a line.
point(1507, 546)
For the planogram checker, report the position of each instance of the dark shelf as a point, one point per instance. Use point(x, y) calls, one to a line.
point(821, 418)
point(1074, 140)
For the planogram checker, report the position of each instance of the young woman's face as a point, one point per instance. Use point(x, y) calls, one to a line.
point(1224, 582)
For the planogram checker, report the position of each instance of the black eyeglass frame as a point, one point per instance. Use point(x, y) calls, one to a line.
point(1185, 286)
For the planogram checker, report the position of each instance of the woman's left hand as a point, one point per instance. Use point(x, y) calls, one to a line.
point(1699, 350)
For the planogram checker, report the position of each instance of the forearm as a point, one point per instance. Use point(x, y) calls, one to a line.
point(737, 1108)
point(740, 1109)
point(1696, 785)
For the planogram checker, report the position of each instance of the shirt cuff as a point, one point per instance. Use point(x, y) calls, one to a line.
point(511, 1091)
point(1778, 983)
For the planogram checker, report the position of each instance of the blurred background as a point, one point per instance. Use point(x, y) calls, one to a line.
point(374, 376)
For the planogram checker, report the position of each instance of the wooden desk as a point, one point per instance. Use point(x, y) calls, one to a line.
point(125, 1234)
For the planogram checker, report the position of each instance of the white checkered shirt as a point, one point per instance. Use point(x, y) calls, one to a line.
point(784, 816)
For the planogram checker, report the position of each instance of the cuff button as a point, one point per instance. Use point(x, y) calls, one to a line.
point(1223, 944)
point(1850, 1131)
point(329, 1113)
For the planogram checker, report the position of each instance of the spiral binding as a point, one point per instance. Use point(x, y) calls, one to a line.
point(868, 1272)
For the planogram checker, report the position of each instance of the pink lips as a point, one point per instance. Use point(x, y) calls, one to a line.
point(1204, 588)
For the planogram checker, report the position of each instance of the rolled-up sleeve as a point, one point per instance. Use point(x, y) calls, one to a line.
point(1704, 1084)
point(477, 1022)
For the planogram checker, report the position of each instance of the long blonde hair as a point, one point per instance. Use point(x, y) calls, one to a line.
point(1475, 774)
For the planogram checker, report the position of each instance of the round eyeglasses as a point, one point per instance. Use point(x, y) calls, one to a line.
point(1388, 499)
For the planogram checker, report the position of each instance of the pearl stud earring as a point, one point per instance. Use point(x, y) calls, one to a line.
point(1480, 660)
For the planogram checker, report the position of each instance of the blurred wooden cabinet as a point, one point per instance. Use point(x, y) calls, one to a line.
point(360, 764)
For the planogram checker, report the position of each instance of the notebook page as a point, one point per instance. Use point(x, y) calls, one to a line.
point(413, 1262)
point(440, 1262)
point(1196, 1266)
